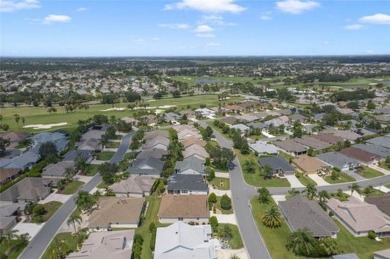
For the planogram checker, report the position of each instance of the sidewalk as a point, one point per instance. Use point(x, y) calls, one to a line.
point(225, 218)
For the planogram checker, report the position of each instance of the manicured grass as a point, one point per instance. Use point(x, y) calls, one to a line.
point(256, 179)
point(102, 185)
point(15, 248)
point(50, 207)
point(39, 115)
point(362, 246)
point(274, 238)
point(211, 124)
point(370, 173)
point(112, 145)
point(72, 187)
point(236, 241)
point(66, 237)
point(305, 180)
point(387, 186)
point(375, 192)
point(344, 178)
point(105, 155)
point(221, 183)
point(151, 216)
point(92, 170)
point(218, 206)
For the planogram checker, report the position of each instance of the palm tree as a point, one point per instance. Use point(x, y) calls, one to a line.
point(323, 196)
point(293, 192)
point(250, 166)
point(17, 119)
point(329, 245)
point(268, 171)
point(74, 219)
point(301, 242)
point(271, 218)
point(85, 201)
point(311, 191)
point(10, 235)
point(264, 195)
point(69, 172)
point(354, 187)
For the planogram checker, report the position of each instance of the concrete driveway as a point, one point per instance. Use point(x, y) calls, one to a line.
point(55, 197)
point(318, 179)
point(225, 218)
point(293, 180)
point(31, 228)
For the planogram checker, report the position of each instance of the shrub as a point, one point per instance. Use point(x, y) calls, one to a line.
point(212, 198)
point(213, 223)
point(39, 210)
point(226, 202)
point(371, 234)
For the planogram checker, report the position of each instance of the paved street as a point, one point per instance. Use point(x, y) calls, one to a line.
point(39, 243)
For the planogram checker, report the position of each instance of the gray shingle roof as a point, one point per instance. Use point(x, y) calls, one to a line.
point(187, 182)
point(57, 169)
point(336, 159)
point(374, 149)
point(290, 146)
point(156, 153)
point(303, 213)
point(277, 163)
point(146, 166)
point(191, 162)
point(380, 141)
point(73, 155)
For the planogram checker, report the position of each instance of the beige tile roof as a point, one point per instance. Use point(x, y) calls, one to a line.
point(193, 140)
point(113, 210)
point(180, 128)
point(309, 164)
point(135, 184)
point(195, 150)
point(185, 206)
point(188, 133)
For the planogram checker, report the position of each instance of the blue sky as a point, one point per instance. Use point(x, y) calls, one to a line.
point(194, 27)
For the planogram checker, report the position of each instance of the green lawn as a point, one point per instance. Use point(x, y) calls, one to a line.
point(256, 179)
point(236, 241)
point(218, 205)
point(72, 187)
point(67, 238)
point(15, 248)
point(370, 173)
point(112, 145)
point(40, 115)
point(275, 239)
point(387, 186)
point(51, 207)
point(151, 216)
point(102, 185)
point(375, 192)
point(221, 183)
point(362, 246)
point(211, 124)
point(344, 178)
point(305, 180)
point(92, 170)
point(105, 155)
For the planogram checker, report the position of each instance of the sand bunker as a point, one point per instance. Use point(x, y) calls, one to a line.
point(45, 126)
point(166, 106)
point(114, 109)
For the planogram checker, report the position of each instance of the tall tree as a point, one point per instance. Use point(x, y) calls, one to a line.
point(311, 191)
point(271, 218)
point(250, 166)
point(264, 195)
point(74, 219)
point(301, 242)
point(354, 187)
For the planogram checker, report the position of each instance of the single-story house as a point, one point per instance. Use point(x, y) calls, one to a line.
point(14, 137)
point(345, 256)
point(382, 202)
point(180, 128)
point(309, 165)
point(282, 120)
point(188, 133)
point(360, 217)
point(336, 159)
point(382, 254)
point(22, 162)
point(380, 141)
point(229, 120)
point(9, 215)
point(158, 142)
point(361, 155)
point(328, 138)
point(279, 165)
point(197, 151)
point(301, 213)
point(156, 133)
point(129, 120)
point(29, 189)
point(133, 186)
point(193, 140)
point(312, 142)
point(347, 135)
point(156, 153)
point(91, 144)
point(190, 165)
point(74, 155)
point(59, 139)
point(241, 127)
point(205, 112)
point(246, 118)
point(116, 212)
point(181, 240)
point(187, 185)
point(147, 166)
point(186, 208)
point(291, 147)
point(263, 148)
point(379, 151)
point(113, 244)
point(57, 170)
point(9, 174)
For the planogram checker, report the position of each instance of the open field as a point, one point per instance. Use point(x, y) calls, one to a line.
point(40, 115)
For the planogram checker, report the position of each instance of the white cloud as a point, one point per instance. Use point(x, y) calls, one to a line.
point(215, 20)
point(175, 26)
point(212, 45)
point(139, 40)
point(210, 6)
point(353, 27)
point(296, 6)
point(378, 18)
point(204, 29)
point(265, 16)
point(12, 6)
point(56, 18)
point(81, 9)
point(156, 38)
point(205, 35)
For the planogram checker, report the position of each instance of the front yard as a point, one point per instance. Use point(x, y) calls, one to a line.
point(112, 144)
point(105, 155)
point(13, 249)
point(221, 183)
point(305, 180)
point(256, 179)
point(344, 178)
point(236, 241)
point(50, 208)
point(72, 187)
point(218, 206)
point(66, 239)
point(370, 173)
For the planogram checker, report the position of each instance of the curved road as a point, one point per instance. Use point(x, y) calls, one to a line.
point(242, 194)
point(38, 244)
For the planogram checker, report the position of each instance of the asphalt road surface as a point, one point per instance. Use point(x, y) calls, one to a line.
point(38, 244)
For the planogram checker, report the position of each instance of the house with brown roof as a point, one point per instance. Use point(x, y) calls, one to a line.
point(9, 174)
point(186, 208)
point(291, 147)
point(180, 128)
point(116, 212)
point(14, 137)
point(103, 245)
point(382, 202)
point(133, 186)
point(360, 217)
point(312, 142)
point(156, 133)
point(328, 138)
point(233, 108)
point(158, 142)
point(309, 165)
point(188, 133)
point(361, 155)
point(197, 151)
point(229, 120)
point(193, 140)
point(57, 170)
